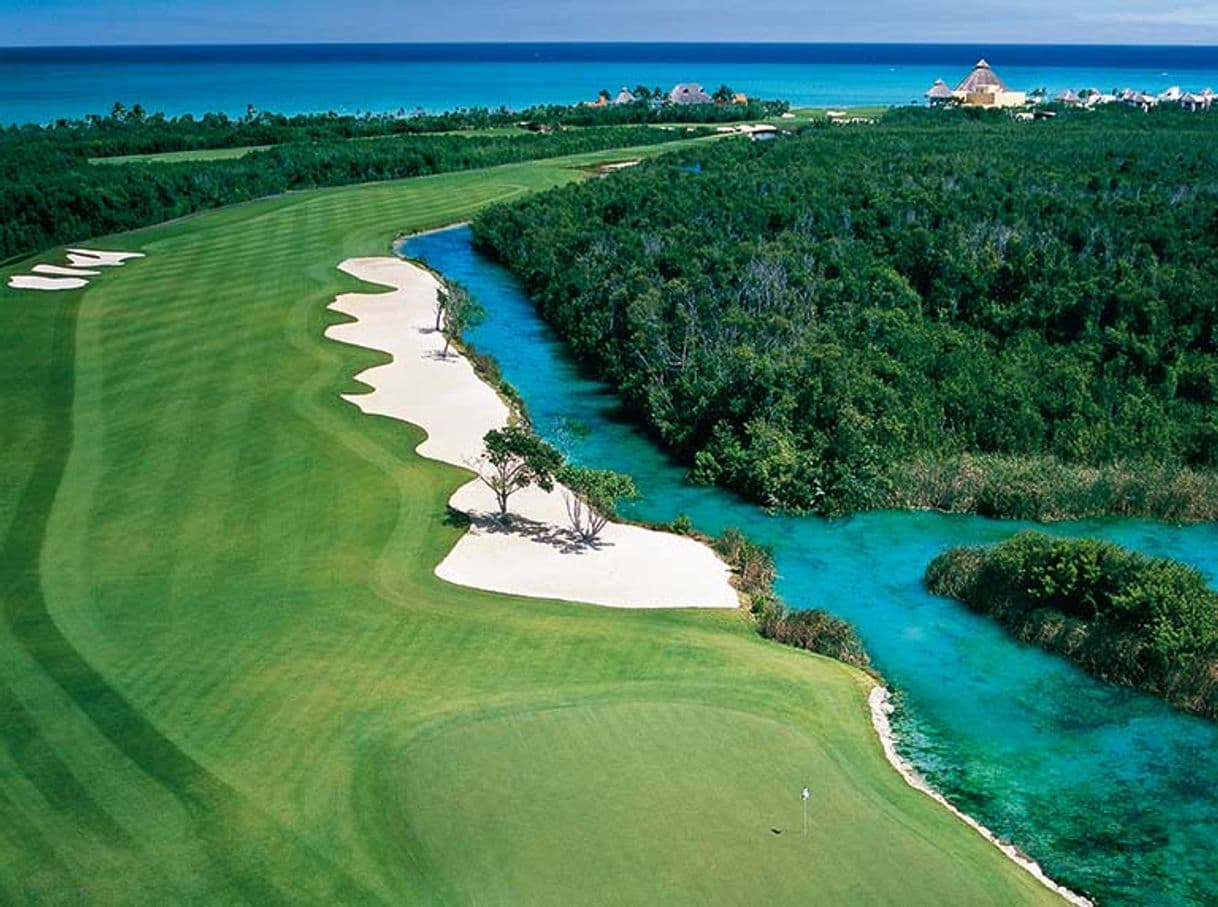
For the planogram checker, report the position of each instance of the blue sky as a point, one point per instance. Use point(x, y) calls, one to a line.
point(34, 22)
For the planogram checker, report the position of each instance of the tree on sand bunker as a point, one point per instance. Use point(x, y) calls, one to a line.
point(460, 312)
point(592, 496)
point(515, 458)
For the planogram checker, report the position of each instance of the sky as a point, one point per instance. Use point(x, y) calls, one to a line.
point(95, 22)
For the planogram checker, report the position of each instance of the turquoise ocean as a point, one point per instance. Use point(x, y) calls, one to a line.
point(43, 84)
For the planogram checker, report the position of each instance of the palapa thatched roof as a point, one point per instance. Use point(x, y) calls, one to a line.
point(688, 93)
point(982, 78)
point(939, 91)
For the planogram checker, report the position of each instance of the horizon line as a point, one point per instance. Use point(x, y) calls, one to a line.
point(584, 41)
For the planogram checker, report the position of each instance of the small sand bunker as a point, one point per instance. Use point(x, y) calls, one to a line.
point(60, 271)
point(26, 282)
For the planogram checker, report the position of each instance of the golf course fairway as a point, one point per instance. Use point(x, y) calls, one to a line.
point(229, 675)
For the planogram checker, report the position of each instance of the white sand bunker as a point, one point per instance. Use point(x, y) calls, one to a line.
point(57, 277)
point(628, 566)
point(59, 270)
point(90, 258)
point(26, 282)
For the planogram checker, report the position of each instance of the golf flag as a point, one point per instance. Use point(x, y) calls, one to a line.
point(805, 794)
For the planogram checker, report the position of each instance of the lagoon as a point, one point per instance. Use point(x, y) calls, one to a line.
point(1115, 793)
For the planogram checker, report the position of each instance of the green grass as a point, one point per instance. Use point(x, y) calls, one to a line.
point(225, 154)
point(812, 114)
point(173, 157)
point(228, 673)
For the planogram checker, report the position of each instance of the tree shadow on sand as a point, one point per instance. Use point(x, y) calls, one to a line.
point(562, 539)
point(440, 356)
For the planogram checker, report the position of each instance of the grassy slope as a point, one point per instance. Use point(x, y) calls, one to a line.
point(173, 157)
point(227, 672)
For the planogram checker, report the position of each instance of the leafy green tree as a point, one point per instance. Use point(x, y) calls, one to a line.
point(515, 458)
point(592, 497)
point(461, 312)
point(723, 95)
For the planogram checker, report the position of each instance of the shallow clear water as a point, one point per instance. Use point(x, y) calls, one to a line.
point(42, 84)
point(1115, 793)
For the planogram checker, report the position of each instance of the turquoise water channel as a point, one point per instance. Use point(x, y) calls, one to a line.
point(1113, 792)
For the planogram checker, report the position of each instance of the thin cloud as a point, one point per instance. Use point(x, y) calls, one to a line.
point(1198, 16)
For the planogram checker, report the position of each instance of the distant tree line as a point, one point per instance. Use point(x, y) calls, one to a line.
point(941, 310)
point(51, 194)
point(132, 130)
point(1150, 623)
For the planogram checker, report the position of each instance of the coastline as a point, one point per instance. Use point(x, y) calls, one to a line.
point(627, 566)
point(880, 704)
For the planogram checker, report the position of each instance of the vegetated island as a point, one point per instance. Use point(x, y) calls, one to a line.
point(941, 311)
point(1144, 622)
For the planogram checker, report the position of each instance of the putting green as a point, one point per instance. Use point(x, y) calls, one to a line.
point(228, 674)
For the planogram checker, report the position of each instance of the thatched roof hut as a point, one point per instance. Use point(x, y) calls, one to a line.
point(982, 79)
point(625, 96)
point(688, 93)
point(939, 93)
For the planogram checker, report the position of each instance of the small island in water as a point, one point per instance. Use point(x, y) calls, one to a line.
point(1144, 622)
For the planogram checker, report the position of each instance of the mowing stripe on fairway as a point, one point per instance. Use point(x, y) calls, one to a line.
point(236, 677)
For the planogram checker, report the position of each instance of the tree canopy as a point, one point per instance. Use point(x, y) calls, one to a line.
point(943, 310)
point(593, 496)
point(461, 312)
point(515, 458)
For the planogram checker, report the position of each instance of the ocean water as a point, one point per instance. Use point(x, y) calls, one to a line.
point(1115, 793)
point(44, 84)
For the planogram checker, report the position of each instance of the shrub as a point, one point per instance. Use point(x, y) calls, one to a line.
point(815, 630)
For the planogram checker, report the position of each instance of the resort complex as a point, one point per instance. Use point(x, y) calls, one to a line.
point(683, 93)
point(983, 88)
